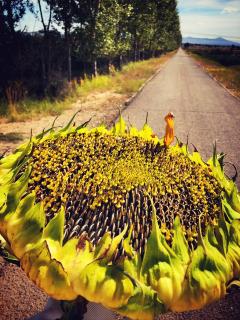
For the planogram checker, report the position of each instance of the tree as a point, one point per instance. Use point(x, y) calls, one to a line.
point(92, 12)
point(112, 37)
point(168, 29)
point(66, 12)
point(46, 50)
point(96, 33)
point(11, 12)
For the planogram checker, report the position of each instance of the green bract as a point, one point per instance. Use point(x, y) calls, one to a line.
point(120, 219)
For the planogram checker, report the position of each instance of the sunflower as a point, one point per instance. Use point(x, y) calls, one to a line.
point(121, 218)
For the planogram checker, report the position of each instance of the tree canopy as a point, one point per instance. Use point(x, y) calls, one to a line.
point(82, 36)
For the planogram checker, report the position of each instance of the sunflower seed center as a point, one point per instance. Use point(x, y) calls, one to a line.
point(103, 181)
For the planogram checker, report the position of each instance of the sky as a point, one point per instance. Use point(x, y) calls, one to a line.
point(31, 22)
point(199, 18)
point(210, 18)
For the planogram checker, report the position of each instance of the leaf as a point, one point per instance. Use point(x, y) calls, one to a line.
point(13, 160)
point(144, 304)
point(55, 228)
point(155, 250)
point(126, 244)
point(229, 211)
point(120, 127)
point(84, 125)
point(222, 235)
point(47, 272)
point(179, 243)
point(235, 199)
point(103, 246)
point(65, 129)
point(105, 284)
point(115, 243)
point(25, 226)
point(11, 194)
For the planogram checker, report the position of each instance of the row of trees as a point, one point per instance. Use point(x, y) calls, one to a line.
point(81, 36)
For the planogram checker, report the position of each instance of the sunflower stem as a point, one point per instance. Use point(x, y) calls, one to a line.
point(73, 310)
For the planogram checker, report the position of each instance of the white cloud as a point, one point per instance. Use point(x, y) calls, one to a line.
point(203, 18)
point(205, 26)
point(199, 4)
point(229, 10)
point(221, 5)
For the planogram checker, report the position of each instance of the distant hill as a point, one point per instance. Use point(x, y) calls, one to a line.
point(210, 42)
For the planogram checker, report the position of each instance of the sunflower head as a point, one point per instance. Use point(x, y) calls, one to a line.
point(121, 218)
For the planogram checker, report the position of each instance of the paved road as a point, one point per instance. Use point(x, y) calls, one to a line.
point(204, 110)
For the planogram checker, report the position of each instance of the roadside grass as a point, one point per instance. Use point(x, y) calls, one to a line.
point(32, 108)
point(229, 76)
point(125, 82)
point(45, 106)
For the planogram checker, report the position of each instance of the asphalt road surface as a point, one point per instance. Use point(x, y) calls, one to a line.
point(204, 110)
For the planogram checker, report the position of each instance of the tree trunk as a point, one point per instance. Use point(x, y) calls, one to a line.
point(69, 62)
point(43, 72)
point(120, 62)
point(135, 51)
point(95, 73)
point(138, 55)
point(135, 46)
point(46, 57)
point(69, 54)
point(94, 23)
point(10, 20)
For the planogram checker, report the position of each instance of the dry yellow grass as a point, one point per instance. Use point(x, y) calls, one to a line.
point(229, 76)
point(125, 82)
